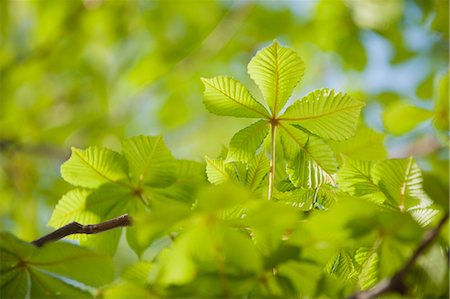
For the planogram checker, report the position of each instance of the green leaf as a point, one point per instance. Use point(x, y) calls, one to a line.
point(367, 261)
point(56, 269)
point(93, 167)
point(366, 144)
point(244, 143)
point(150, 161)
point(327, 113)
point(341, 265)
point(401, 117)
point(190, 176)
point(258, 168)
point(276, 70)
point(355, 177)
point(309, 164)
point(226, 96)
point(292, 140)
point(401, 181)
point(299, 198)
point(217, 171)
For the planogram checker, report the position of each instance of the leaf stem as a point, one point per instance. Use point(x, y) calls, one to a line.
point(272, 160)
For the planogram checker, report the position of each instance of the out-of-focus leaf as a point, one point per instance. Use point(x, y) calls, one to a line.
point(258, 168)
point(425, 89)
point(56, 269)
point(366, 144)
point(401, 117)
point(367, 261)
point(217, 170)
point(441, 109)
point(341, 266)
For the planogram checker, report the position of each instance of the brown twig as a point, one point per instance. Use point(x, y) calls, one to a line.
point(77, 228)
point(396, 284)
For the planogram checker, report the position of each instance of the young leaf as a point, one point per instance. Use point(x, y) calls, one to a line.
point(367, 261)
point(226, 96)
point(355, 177)
point(276, 70)
point(366, 144)
point(401, 181)
point(93, 167)
point(217, 171)
point(329, 114)
point(244, 143)
point(308, 164)
point(305, 172)
point(341, 265)
point(257, 170)
point(150, 161)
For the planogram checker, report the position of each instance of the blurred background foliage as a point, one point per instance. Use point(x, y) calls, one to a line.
point(92, 72)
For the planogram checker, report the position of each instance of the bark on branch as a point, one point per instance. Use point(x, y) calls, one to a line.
point(396, 283)
point(77, 228)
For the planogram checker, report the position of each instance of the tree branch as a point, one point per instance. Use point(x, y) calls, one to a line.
point(396, 284)
point(77, 228)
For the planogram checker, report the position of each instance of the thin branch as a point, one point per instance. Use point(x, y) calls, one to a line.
point(396, 284)
point(77, 228)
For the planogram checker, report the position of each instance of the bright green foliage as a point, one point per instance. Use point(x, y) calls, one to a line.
point(244, 143)
point(326, 113)
point(93, 167)
point(341, 217)
point(150, 161)
point(226, 96)
point(57, 270)
point(111, 190)
point(322, 114)
point(276, 70)
point(390, 183)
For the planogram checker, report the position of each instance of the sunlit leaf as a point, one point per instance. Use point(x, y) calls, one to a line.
point(309, 164)
point(244, 143)
point(218, 172)
point(226, 96)
point(366, 144)
point(93, 167)
point(342, 265)
point(367, 261)
point(327, 113)
point(276, 70)
point(150, 161)
point(258, 168)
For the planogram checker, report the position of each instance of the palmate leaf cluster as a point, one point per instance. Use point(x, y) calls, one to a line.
point(304, 126)
point(342, 216)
